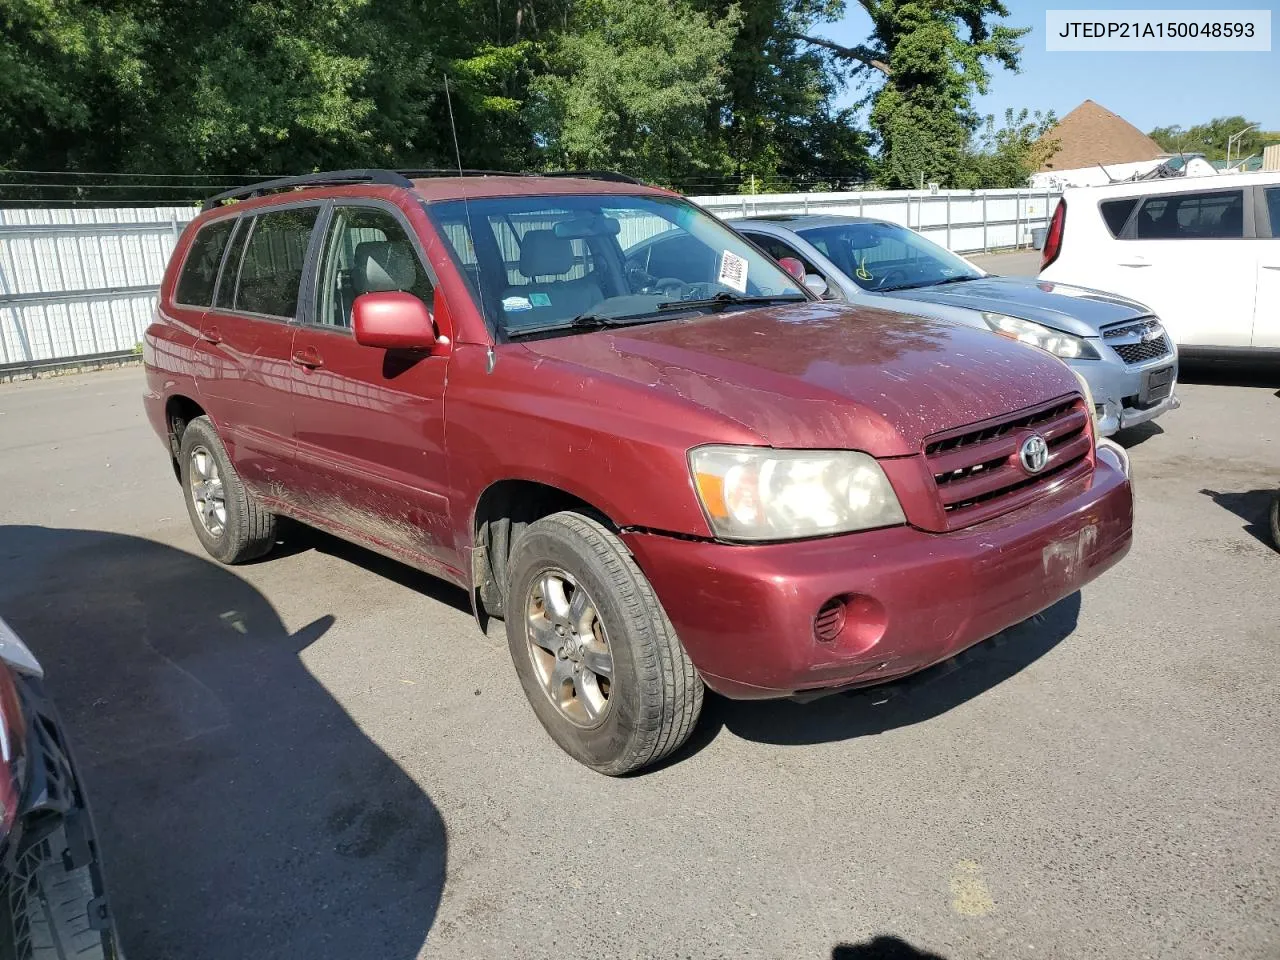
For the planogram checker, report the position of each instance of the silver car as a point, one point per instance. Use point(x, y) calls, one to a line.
point(1123, 352)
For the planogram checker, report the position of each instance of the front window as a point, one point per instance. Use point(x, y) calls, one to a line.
point(550, 263)
point(885, 256)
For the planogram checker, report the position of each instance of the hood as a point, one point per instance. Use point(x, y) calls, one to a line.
point(1075, 310)
point(820, 375)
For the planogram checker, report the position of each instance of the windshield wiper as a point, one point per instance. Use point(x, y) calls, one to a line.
point(726, 299)
point(583, 321)
point(928, 283)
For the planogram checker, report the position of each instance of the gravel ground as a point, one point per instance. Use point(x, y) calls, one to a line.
point(318, 756)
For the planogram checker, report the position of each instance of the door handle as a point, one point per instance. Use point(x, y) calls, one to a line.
point(308, 357)
point(1135, 262)
point(211, 335)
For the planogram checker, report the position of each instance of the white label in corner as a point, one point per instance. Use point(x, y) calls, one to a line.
point(733, 271)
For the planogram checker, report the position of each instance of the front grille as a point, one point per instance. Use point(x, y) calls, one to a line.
point(978, 472)
point(1144, 350)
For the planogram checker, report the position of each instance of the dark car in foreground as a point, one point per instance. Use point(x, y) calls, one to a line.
point(52, 901)
point(661, 480)
point(1115, 343)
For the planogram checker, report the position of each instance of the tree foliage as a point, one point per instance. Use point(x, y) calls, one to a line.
point(1211, 138)
point(696, 94)
point(1007, 155)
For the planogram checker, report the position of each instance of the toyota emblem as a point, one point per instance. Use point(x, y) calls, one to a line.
point(1034, 453)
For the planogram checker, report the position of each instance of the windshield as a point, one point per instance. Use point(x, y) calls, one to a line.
point(885, 256)
point(541, 263)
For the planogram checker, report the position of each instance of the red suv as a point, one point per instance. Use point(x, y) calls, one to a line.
point(664, 465)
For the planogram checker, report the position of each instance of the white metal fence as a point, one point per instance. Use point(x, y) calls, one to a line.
point(83, 282)
point(964, 221)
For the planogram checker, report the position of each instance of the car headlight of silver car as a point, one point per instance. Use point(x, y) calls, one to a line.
point(758, 493)
point(1060, 344)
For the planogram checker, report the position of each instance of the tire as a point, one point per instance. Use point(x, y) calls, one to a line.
point(246, 530)
point(48, 907)
point(654, 693)
point(1275, 520)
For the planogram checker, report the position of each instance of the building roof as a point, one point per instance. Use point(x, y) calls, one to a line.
point(1091, 134)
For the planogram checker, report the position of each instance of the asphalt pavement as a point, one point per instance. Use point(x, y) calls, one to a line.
point(318, 756)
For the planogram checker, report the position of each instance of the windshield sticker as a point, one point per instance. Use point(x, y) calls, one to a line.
point(516, 304)
point(539, 299)
point(733, 271)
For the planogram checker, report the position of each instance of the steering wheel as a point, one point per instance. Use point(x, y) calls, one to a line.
point(897, 276)
point(673, 287)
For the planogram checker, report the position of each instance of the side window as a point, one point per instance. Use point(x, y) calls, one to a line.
point(367, 251)
point(1192, 216)
point(271, 272)
point(225, 296)
point(1273, 209)
point(200, 270)
point(681, 256)
point(778, 249)
point(1115, 213)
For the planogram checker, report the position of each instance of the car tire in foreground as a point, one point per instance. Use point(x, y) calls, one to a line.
point(230, 523)
point(1275, 520)
point(598, 659)
point(48, 908)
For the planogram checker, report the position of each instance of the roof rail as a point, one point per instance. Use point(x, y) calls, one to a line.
point(329, 178)
point(393, 178)
point(611, 176)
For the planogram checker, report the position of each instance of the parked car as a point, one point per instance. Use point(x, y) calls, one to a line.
point(52, 903)
point(660, 481)
point(1114, 343)
point(1202, 252)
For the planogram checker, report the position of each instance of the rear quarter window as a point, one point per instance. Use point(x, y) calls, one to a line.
point(1115, 213)
point(200, 269)
point(274, 260)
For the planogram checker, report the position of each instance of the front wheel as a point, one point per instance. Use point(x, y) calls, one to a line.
point(598, 659)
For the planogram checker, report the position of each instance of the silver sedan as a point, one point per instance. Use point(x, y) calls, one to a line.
point(1116, 344)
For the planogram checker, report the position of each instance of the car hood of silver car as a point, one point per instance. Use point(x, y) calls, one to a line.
point(1071, 309)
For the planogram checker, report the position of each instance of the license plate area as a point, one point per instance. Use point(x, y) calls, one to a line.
point(1156, 385)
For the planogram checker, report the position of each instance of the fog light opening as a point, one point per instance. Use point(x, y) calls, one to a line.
point(828, 623)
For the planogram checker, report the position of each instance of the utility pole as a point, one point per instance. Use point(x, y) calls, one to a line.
point(1235, 138)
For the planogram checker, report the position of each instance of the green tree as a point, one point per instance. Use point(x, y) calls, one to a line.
point(628, 85)
point(1006, 155)
point(932, 57)
point(1211, 138)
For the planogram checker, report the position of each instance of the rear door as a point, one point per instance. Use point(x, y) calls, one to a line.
point(369, 423)
point(1266, 316)
point(247, 340)
point(1191, 257)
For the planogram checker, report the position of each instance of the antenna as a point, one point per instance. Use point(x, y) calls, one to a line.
point(466, 205)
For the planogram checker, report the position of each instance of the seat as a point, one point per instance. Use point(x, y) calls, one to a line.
point(544, 255)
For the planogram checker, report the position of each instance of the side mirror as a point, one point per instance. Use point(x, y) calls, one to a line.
point(393, 320)
point(792, 266)
point(815, 284)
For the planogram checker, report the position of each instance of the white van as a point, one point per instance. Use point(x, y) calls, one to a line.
point(1202, 252)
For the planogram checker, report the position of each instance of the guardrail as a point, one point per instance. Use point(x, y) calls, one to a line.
point(81, 283)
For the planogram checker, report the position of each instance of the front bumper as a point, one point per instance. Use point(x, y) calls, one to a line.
point(1117, 390)
point(745, 613)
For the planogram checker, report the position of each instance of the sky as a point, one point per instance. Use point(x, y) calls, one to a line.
point(1148, 89)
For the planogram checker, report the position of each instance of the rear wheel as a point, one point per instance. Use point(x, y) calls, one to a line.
point(598, 659)
point(231, 524)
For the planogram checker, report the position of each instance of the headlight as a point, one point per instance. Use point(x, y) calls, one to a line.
point(757, 493)
point(1062, 345)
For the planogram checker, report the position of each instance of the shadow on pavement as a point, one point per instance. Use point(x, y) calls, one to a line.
point(882, 948)
point(242, 812)
point(1140, 433)
point(1252, 506)
point(873, 710)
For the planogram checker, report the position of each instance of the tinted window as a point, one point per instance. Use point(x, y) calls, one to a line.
point(1115, 213)
point(1273, 208)
point(1192, 216)
point(271, 271)
point(367, 251)
point(226, 293)
point(200, 271)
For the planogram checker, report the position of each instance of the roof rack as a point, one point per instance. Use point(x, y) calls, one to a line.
point(392, 178)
